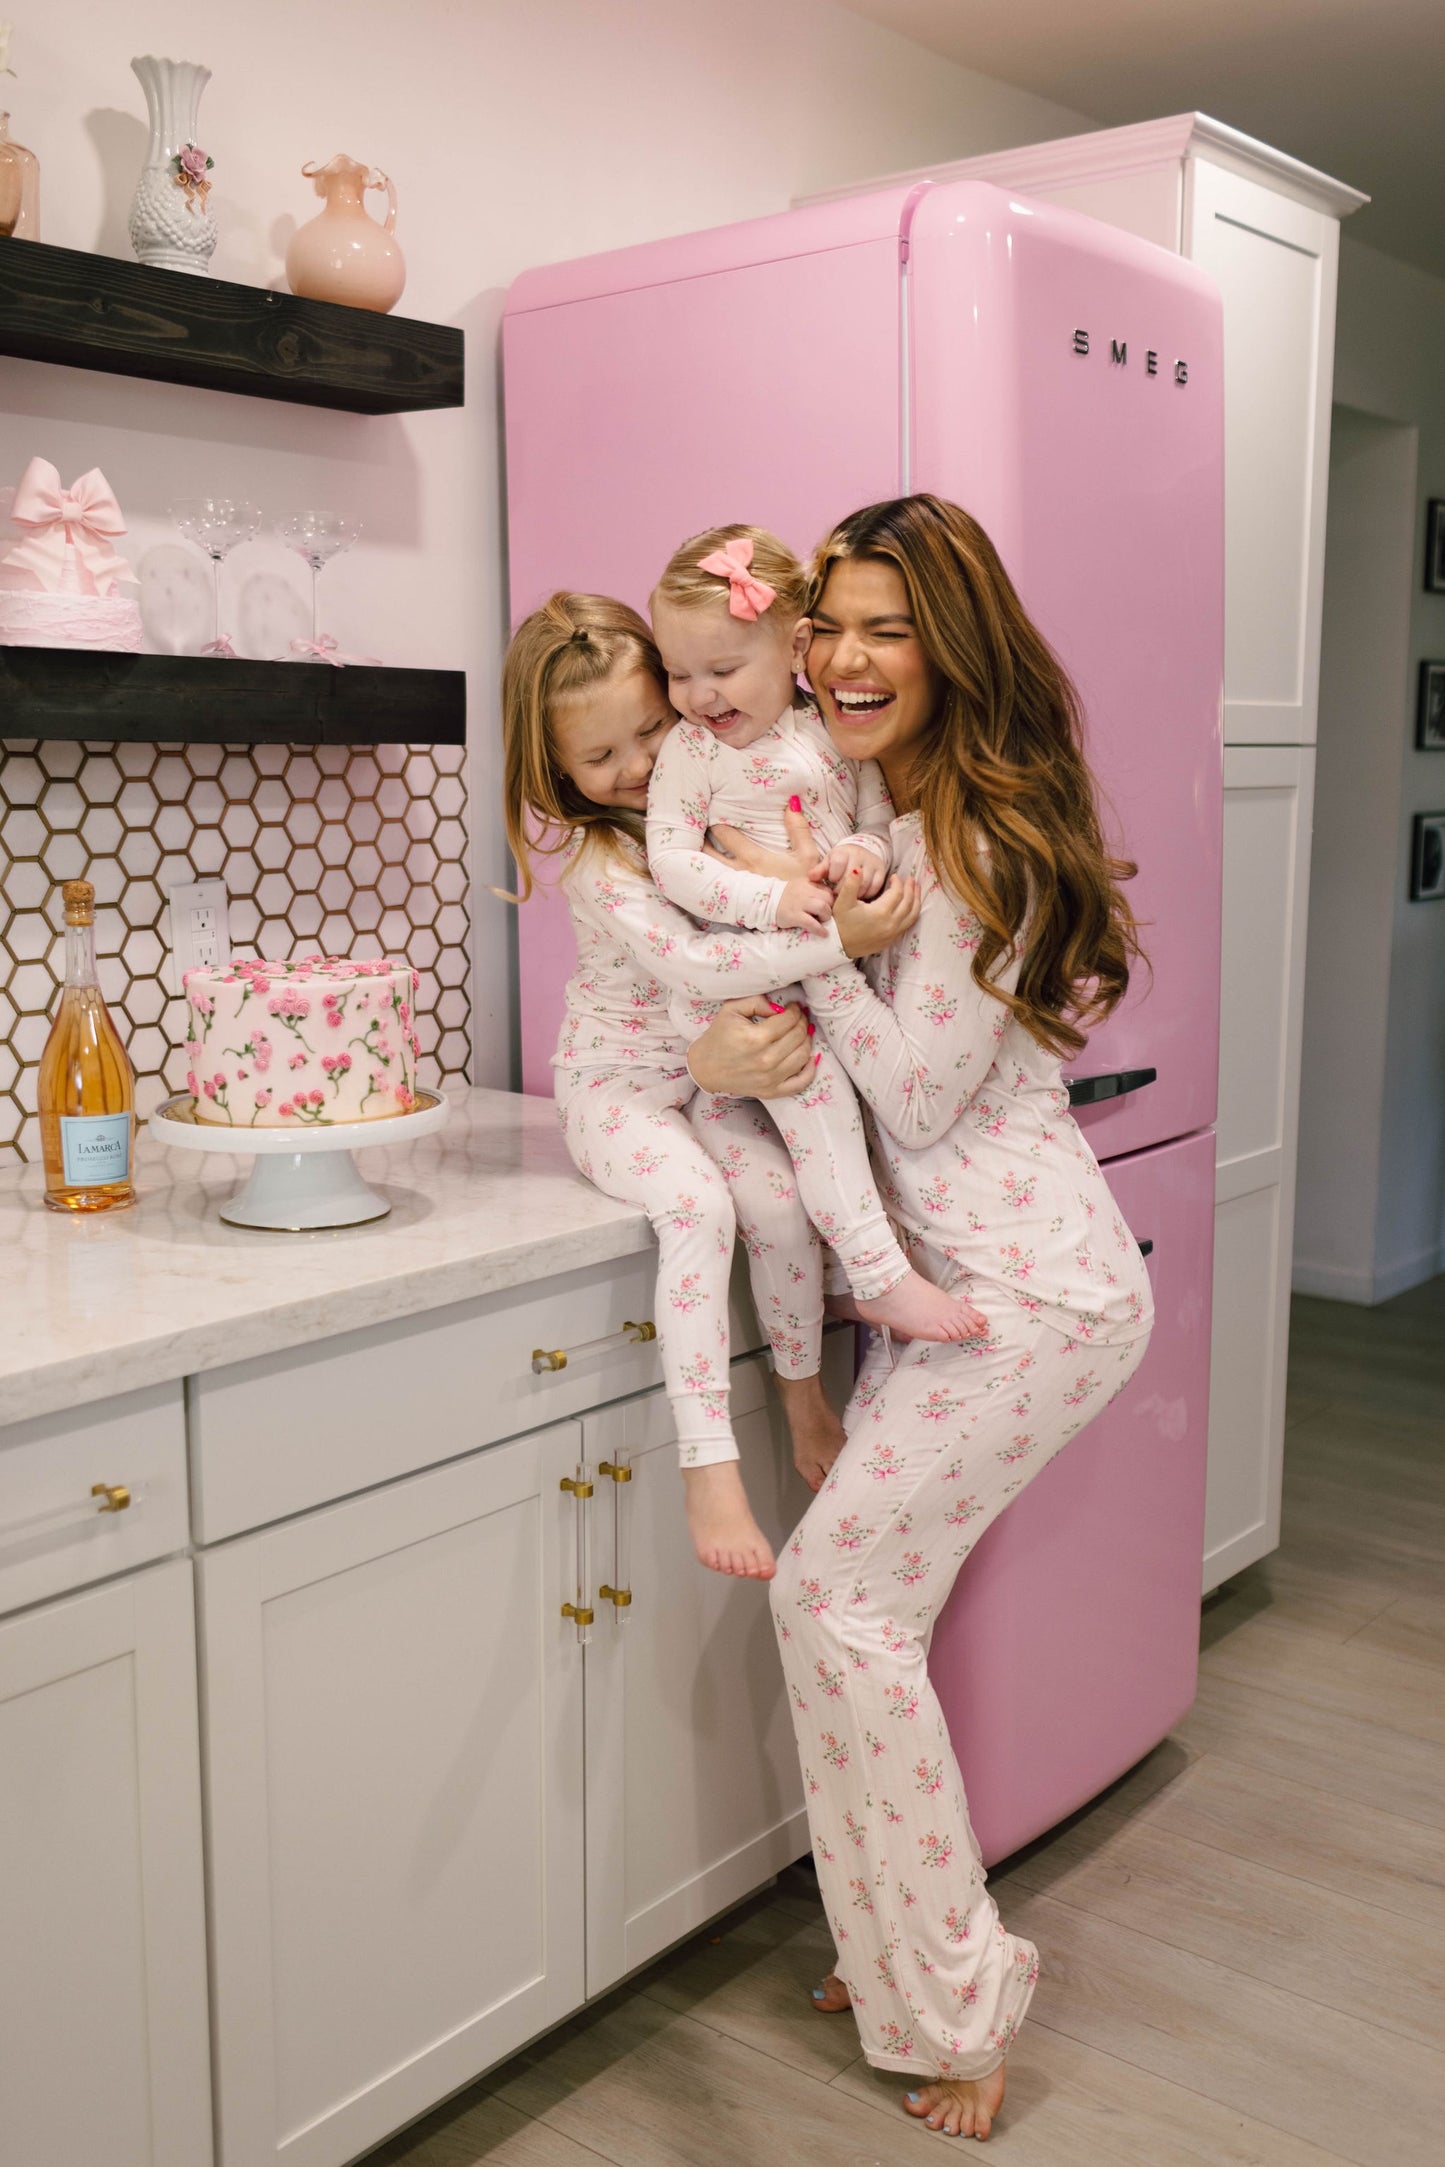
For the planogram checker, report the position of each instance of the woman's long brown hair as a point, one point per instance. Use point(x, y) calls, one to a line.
point(1010, 815)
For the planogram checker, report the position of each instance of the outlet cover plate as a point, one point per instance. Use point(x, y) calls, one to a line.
point(200, 927)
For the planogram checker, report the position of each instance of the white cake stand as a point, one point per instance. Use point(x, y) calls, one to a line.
point(302, 1179)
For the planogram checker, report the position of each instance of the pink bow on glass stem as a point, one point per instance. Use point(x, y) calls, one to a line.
point(81, 518)
point(324, 649)
point(747, 597)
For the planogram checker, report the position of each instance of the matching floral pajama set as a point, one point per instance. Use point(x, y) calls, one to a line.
point(997, 1195)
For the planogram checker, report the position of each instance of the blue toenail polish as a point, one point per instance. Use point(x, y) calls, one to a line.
point(914, 2098)
point(818, 1993)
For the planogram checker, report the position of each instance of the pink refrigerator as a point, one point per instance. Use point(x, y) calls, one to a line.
point(1062, 381)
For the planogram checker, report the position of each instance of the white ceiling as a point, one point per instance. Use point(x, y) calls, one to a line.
point(1356, 87)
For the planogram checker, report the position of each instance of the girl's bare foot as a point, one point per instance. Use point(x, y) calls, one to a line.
point(958, 2107)
point(832, 1997)
point(920, 1310)
point(725, 1535)
point(817, 1434)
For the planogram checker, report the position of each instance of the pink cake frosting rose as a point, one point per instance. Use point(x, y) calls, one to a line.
point(308, 1043)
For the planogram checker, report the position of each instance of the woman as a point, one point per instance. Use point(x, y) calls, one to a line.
point(923, 659)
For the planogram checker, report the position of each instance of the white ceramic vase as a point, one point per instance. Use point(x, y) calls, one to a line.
point(169, 225)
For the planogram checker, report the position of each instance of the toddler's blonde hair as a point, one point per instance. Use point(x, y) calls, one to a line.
point(572, 643)
point(687, 586)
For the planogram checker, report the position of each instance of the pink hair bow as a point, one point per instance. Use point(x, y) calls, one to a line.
point(81, 518)
point(747, 597)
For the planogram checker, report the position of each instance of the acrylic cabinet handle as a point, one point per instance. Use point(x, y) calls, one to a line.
point(115, 1496)
point(1094, 1090)
point(545, 1359)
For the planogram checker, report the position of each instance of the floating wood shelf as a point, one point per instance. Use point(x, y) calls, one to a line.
point(54, 692)
point(97, 312)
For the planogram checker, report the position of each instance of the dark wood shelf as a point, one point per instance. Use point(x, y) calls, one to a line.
point(50, 692)
point(97, 312)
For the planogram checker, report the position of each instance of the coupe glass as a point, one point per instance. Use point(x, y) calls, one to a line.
point(318, 537)
point(216, 525)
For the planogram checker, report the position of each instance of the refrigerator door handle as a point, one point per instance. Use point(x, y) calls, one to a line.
point(1093, 1090)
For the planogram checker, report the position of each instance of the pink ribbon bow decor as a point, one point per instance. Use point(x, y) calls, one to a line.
point(747, 597)
point(325, 649)
point(80, 519)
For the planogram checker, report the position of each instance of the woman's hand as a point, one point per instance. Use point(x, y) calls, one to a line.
point(753, 1049)
point(802, 860)
point(866, 929)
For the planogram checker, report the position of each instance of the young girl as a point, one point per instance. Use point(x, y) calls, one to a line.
point(728, 617)
point(584, 715)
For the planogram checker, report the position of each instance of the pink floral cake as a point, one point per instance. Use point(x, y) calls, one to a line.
point(311, 1042)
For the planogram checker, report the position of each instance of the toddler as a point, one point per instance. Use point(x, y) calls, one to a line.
point(728, 619)
point(585, 714)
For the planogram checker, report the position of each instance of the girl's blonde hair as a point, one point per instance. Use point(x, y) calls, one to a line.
point(686, 586)
point(573, 642)
point(1003, 767)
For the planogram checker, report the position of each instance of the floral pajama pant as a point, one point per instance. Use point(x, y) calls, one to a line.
point(939, 1441)
point(822, 1128)
point(705, 1171)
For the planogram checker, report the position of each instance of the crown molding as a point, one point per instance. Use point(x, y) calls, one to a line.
point(1113, 153)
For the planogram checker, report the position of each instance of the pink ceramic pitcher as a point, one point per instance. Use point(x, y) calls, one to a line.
point(342, 254)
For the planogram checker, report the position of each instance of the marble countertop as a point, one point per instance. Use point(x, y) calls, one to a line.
point(89, 1308)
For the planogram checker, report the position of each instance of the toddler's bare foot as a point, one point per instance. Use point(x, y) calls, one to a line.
point(725, 1535)
point(832, 1997)
point(817, 1434)
point(922, 1311)
point(957, 2107)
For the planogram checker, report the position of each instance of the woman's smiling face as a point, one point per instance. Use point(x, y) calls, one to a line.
point(876, 687)
point(606, 739)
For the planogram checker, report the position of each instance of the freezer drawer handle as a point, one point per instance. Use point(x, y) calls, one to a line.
point(1093, 1090)
point(1146, 1249)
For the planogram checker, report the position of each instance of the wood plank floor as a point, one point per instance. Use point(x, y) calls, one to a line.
point(1243, 1941)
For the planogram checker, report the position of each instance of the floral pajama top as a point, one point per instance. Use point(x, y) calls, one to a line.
point(979, 1159)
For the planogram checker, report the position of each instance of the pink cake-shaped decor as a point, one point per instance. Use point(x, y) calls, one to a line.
point(62, 584)
point(302, 1044)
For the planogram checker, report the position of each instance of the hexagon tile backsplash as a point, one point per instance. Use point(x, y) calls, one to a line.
point(349, 851)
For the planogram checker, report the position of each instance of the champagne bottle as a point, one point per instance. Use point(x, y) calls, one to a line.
point(87, 1086)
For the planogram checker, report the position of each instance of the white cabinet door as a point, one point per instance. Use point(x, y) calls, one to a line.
point(694, 1796)
point(1274, 260)
point(1268, 793)
point(103, 2047)
point(394, 1788)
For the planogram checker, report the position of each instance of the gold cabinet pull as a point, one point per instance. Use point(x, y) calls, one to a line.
point(547, 1360)
point(116, 1495)
point(575, 1489)
point(578, 1615)
point(618, 1474)
point(621, 1597)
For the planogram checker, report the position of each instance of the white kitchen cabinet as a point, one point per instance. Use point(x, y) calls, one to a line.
point(103, 2042)
point(694, 1796)
point(1266, 228)
point(394, 1796)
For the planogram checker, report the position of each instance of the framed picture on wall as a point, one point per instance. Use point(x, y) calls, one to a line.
point(1427, 861)
point(1435, 546)
point(1430, 714)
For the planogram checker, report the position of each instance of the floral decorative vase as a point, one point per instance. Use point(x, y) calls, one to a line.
point(342, 254)
point(170, 223)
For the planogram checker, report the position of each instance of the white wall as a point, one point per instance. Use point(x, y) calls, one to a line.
point(1353, 870)
point(1388, 364)
point(516, 134)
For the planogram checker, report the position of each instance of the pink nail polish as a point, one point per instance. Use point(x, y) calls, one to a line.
point(795, 805)
point(816, 1059)
point(776, 1007)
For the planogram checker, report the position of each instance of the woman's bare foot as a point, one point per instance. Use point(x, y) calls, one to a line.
point(725, 1535)
point(832, 1997)
point(958, 2107)
point(922, 1311)
point(816, 1432)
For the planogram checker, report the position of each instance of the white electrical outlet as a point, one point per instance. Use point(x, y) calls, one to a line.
point(200, 927)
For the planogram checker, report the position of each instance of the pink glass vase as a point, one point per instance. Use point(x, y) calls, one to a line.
point(343, 254)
